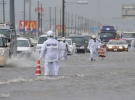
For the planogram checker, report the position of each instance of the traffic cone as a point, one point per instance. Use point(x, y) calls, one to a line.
point(38, 70)
point(102, 52)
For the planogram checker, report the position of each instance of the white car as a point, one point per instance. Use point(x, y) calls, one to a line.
point(72, 45)
point(40, 42)
point(4, 50)
point(24, 47)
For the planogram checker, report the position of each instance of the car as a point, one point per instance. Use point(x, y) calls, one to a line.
point(40, 42)
point(80, 41)
point(87, 37)
point(18, 35)
point(72, 45)
point(114, 45)
point(4, 50)
point(34, 41)
point(124, 44)
point(24, 47)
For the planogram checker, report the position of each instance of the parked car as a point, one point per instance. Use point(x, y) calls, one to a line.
point(40, 42)
point(81, 43)
point(24, 47)
point(4, 50)
point(114, 45)
point(72, 45)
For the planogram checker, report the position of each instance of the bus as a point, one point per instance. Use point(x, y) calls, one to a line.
point(10, 33)
point(107, 33)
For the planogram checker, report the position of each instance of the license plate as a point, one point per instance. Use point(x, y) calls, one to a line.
point(115, 49)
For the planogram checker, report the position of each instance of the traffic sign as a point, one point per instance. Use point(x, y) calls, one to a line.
point(39, 9)
point(95, 29)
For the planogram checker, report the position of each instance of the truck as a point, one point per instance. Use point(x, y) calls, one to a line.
point(10, 33)
point(107, 33)
point(128, 36)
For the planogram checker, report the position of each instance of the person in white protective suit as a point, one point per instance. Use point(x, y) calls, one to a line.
point(93, 46)
point(132, 44)
point(64, 49)
point(50, 53)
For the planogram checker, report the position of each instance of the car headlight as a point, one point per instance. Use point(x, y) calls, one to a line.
point(2, 52)
point(126, 46)
point(120, 47)
point(82, 47)
point(110, 47)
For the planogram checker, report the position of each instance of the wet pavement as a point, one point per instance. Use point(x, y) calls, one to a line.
point(112, 78)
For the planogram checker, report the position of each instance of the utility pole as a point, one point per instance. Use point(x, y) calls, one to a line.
point(78, 25)
point(71, 23)
point(68, 22)
point(24, 19)
point(41, 21)
point(75, 23)
point(63, 17)
point(55, 21)
point(29, 17)
point(38, 19)
point(3, 11)
point(50, 17)
point(60, 21)
point(12, 12)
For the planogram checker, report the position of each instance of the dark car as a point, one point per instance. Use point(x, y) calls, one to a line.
point(80, 41)
point(87, 38)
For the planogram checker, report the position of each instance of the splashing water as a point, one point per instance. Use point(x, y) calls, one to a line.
point(23, 62)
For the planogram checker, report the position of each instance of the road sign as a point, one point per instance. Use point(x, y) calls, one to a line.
point(29, 25)
point(95, 29)
point(39, 9)
point(128, 11)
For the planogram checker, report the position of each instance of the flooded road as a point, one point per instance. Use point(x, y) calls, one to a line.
point(112, 78)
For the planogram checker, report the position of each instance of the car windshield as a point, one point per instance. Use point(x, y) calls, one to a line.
point(1, 42)
point(78, 40)
point(88, 37)
point(114, 42)
point(22, 43)
point(68, 41)
point(108, 34)
point(41, 40)
point(5, 32)
point(128, 35)
point(123, 42)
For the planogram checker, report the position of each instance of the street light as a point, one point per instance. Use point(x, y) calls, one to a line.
point(63, 12)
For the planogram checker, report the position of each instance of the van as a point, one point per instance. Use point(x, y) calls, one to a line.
point(40, 42)
point(4, 50)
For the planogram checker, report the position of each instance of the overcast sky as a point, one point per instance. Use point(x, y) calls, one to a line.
point(99, 10)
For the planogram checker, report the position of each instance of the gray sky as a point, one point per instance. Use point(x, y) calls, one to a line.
point(98, 10)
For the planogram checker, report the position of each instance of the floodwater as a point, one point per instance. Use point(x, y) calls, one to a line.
point(112, 78)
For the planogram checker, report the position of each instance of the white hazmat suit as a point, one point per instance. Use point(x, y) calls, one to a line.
point(50, 53)
point(93, 46)
point(132, 44)
point(64, 49)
